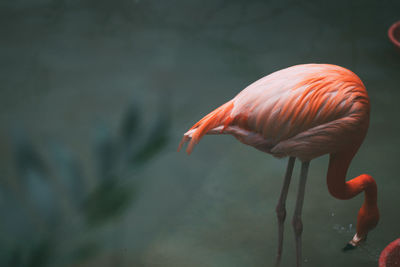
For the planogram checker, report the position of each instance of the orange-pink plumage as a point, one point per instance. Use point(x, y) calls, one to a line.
point(304, 111)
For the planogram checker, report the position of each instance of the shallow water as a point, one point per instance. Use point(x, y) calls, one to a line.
point(69, 66)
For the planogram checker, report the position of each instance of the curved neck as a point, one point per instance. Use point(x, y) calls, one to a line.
point(336, 179)
point(338, 187)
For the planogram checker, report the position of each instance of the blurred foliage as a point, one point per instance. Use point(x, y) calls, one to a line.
point(108, 200)
point(85, 251)
point(54, 220)
point(30, 254)
point(157, 139)
point(26, 157)
point(130, 125)
point(40, 254)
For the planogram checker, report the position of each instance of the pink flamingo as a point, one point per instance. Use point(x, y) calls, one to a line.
point(303, 112)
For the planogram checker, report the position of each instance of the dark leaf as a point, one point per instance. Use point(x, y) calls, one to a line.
point(35, 188)
point(27, 158)
point(156, 141)
point(106, 153)
point(70, 172)
point(40, 254)
point(107, 201)
point(130, 124)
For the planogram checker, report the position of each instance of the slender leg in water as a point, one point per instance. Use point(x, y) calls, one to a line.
point(297, 223)
point(281, 208)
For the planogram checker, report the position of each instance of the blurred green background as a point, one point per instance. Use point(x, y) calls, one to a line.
point(95, 96)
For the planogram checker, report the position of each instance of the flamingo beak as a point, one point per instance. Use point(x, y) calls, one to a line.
point(355, 242)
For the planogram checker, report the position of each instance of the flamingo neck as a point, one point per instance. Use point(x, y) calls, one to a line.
point(368, 215)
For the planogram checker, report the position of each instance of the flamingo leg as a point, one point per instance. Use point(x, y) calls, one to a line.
point(281, 208)
point(296, 222)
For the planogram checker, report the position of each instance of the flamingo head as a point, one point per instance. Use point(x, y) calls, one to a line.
point(368, 218)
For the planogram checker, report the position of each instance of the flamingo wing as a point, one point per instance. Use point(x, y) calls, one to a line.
point(303, 111)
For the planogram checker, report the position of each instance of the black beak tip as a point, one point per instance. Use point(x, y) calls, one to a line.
point(348, 247)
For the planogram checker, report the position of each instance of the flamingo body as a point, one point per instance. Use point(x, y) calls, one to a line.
point(303, 112)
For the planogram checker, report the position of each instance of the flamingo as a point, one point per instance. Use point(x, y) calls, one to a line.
point(304, 111)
